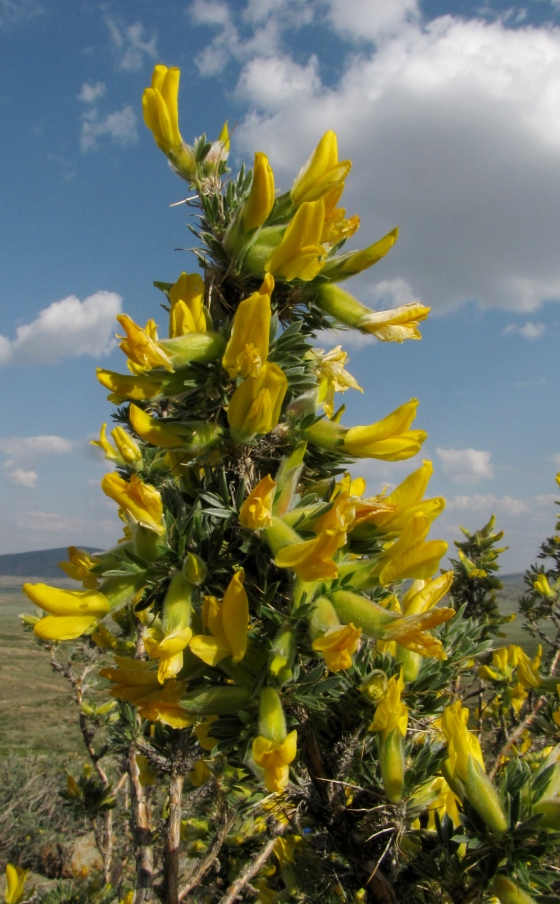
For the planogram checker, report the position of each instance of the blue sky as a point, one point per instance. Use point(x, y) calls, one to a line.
point(451, 115)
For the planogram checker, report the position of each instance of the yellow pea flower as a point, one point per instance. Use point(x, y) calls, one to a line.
point(410, 556)
point(274, 749)
point(312, 560)
point(79, 567)
point(140, 501)
point(187, 314)
point(161, 115)
point(141, 346)
point(203, 734)
point(256, 511)
point(261, 196)
point(391, 712)
point(157, 432)
point(227, 621)
point(136, 682)
point(168, 649)
point(421, 597)
point(345, 265)
point(247, 349)
point(275, 758)
point(337, 646)
point(332, 376)
point(71, 612)
point(404, 501)
point(542, 586)
point(199, 774)
point(396, 325)
point(15, 881)
point(300, 254)
point(321, 173)
point(464, 769)
point(255, 406)
point(125, 450)
point(391, 721)
point(388, 439)
point(336, 226)
point(136, 387)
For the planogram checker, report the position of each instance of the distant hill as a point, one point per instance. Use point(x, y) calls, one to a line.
point(41, 563)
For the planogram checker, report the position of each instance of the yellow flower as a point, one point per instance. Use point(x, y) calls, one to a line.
point(337, 646)
point(160, 108)
point(321, 173)
point(312, 560)
point(391, 721)
point(389, 326)
point(542, 586)
point(389, 439)
point(464, 769)
point(336, 226)
point(157, 432)
point(125, 450)
point(161, 115)
point(136, 387)
point(395, 325)
point(71, 612)
point(438, 797)
point(410, 556)
point(405, 500)
point(256, 511)
point(187, 314)
point(255, 406)
point(141, 346)
point(79, 567)
point(203, 730)
point(261, 197)
point(275, 758)
point(391, 713)
point(199, 774)
point(168, 649)
point(227, 621)
point(15, 881)
point(136, 682)
point(300, 254)
point(332, 376)
point(140, 501)
point(247, 349)
point(346, 265)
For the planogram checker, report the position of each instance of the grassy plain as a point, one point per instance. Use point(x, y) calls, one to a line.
point(37, 713)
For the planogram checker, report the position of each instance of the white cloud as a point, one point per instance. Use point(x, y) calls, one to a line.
point(371, 20)
point(270, 83)
point(488, 504)
point(31, 449)
point(43, 524)
point(453, 131)
point(90, 93)
point(66, 329)
point(555, 459)
point(20, 478)
point(528, 331)
point(119, 126)
point(132, 44)
point(465, 465)
point(209, 12)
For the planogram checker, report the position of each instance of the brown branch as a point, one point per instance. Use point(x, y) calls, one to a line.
point(250, 870)
point(206, 862)
point(515, 735)
point(141, 832)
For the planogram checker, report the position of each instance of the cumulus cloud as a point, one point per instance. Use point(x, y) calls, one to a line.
point(465, 465)
point(488, 504)
point(132, 44)
point(90, 93)
point(528, 331)
point(16, 12)
point(120, 127)
point(25, 451)
point(372, 20)
point(451, 124)
point(20, 478)
point(68, 328)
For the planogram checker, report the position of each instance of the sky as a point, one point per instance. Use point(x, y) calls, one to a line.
point(450, 112)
